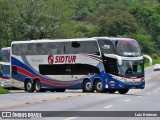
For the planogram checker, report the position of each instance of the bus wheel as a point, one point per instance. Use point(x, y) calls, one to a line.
point(99, 87)
point(52, 90)
point(111, 90)
point(123, 91)
point(87, 86)
point(29, 86)
point(60, 90)
point(37, 86)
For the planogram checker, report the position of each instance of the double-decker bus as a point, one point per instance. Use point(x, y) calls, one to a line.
point(101, 64)
point(5, 80)
point(5, 54)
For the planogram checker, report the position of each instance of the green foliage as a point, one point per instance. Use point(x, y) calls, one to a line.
point(38, 19)
point(3, 91)
point(147, 14)
point(156, 61)
point(116, 21)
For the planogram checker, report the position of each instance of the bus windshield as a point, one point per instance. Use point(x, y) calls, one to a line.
point(5, 71)
point(5, 55)
point(127, 48)
point(131, 69)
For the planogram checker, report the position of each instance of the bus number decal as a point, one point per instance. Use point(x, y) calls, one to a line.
point(61, 59)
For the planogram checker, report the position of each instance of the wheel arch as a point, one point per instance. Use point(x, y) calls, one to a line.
point(35, 79)
point(87, 79)
point(27, 79)
point(96, 79)
point(30, 79)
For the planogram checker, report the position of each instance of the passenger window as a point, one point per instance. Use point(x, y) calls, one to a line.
point(76, 47)
point(90, 47)
point(106, 46)
point(67, 48)
point(1, 73)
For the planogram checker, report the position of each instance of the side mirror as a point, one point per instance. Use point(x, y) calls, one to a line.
point(149, 58)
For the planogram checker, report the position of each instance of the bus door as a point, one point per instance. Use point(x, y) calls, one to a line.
point(68, 72)
point(74, 71)
point(110, 65)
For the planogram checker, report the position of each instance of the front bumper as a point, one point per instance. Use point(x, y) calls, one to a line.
point(5, 83)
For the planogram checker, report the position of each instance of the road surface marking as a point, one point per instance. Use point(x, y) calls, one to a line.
point(127, 100)
point(70, 118)
point(152, 79)
point(139, 96)
point(108, 106)
point(42, 101)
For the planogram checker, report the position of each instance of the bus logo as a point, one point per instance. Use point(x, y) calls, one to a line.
point(61, 59)
point(50, 59)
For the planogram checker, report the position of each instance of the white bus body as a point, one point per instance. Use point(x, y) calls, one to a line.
point(5, 80)
point(88, 63)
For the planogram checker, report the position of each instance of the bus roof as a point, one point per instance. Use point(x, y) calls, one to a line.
point(54, 40)
point(76, 39)
point(4, 63)
point(112, 38)
point(6, 48)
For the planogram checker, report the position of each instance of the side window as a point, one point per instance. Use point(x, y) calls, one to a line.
point(54, 48)
point(1, 72)
point(67, 48)
point(1, 56)
point(73, 47)
point(16, 49)
point(31, 49)
point(51, 69)
point(24, 49)
point(90, 47)
point(60, 48)
point(76, 47)
point(41, 48)
point(106, 46)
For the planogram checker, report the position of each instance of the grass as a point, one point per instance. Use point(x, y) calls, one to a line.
point(3, 91)
point(155, 61)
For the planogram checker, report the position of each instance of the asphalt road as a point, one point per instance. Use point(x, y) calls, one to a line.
point(147, 99)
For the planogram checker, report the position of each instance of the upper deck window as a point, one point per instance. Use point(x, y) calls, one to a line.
point(67, 47)
point(127, 48)
point(5, 55)
point(106, 46)
point(5, 71)
point(76, 47)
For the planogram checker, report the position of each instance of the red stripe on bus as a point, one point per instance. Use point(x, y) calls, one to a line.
point(25, 72)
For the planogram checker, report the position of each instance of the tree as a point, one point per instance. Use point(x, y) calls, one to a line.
point(115, 21)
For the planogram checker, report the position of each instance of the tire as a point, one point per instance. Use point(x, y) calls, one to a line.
point(111, 90)
point(53, 90)
point(87, 86)
point(37, 86)
point(29, 86)
point(123, 91)
point(60, 90)
point(99, 86)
